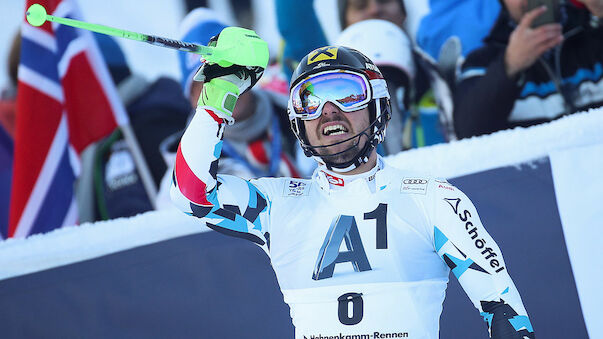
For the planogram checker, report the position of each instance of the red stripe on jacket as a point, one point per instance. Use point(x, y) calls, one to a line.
point(188, 183)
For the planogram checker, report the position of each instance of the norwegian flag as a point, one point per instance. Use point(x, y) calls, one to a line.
point(66, 100)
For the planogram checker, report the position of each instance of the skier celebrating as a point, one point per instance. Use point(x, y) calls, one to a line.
point(362, 249)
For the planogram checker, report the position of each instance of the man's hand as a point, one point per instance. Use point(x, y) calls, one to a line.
point(223, 85)
point(594, 6)
point(527, 44)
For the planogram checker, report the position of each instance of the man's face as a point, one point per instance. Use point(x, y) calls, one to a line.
point(516, 8)
point(333, 126)
point(390, 10)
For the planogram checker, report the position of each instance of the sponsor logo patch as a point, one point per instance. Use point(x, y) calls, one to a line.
point(296, 188)
point(414, 185)
point(479, 242)
point(333, 180)
point(446, 187)
point(321, 54)
point(372, 67)
point(321, 64)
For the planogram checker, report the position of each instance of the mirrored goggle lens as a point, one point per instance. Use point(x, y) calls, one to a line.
point(348, 90)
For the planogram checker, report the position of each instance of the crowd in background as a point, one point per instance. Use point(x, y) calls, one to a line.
point(473, 67)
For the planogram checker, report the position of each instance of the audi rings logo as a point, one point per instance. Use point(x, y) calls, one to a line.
point(414, 185)
point(415, 181)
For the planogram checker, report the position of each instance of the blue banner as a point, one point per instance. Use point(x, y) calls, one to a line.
point(213, 286)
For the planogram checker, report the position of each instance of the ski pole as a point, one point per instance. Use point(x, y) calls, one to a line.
point(232, 40)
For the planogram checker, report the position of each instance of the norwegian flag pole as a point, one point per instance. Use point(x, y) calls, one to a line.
point(66, 100)
point(141, 165)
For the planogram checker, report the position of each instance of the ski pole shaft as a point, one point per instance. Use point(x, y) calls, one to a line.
point(37, 16)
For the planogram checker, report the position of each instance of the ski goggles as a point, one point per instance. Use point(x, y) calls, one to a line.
point(347, 90)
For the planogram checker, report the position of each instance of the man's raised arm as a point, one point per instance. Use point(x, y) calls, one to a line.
point(228, 204)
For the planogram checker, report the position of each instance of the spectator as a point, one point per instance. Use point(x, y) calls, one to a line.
point(391, 50)
point(453, 29)
point(298, 42)
point(290, 16)
point(8, 97)
point(8, 94)
point(525, 75)
point(430, 106)
point(260, 143)
point(353, 11)
point(468, 20)
point(6, 164)
point(110, 185)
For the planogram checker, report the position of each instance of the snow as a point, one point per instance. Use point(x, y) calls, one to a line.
point(91, 240)
point(505, 148)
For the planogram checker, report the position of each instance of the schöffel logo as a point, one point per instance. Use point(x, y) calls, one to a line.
point(480, 243)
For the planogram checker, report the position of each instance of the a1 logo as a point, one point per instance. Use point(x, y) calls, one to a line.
point(344, 228)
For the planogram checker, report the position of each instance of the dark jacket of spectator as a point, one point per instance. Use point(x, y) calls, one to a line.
point(565, 80)
point(110, 185)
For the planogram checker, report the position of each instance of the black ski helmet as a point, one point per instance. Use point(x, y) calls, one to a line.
point(344, 58)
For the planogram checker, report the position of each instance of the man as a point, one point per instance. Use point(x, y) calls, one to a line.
point(8, 110)
point(525, 75)
point(467, 20)
point(362, 250)
point(353, 11)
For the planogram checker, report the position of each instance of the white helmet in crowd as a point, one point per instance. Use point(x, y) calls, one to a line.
point(383, 42)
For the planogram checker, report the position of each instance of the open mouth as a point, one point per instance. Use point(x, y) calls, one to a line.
point(334, 130)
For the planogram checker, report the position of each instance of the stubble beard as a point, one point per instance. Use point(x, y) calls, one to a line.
point(349, 150)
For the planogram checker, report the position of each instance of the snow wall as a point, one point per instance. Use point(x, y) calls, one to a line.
point(163, 274)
